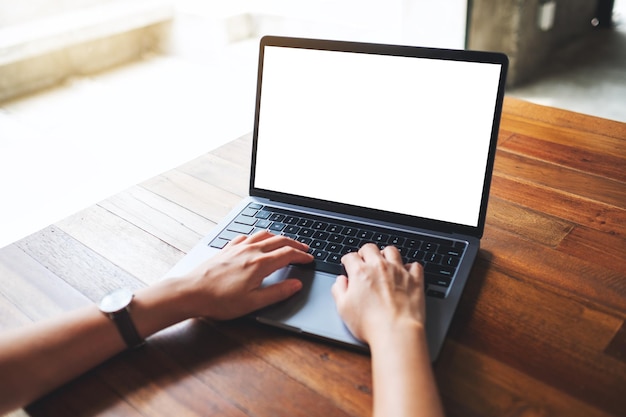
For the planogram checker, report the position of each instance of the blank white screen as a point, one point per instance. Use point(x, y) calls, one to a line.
point(399, 134)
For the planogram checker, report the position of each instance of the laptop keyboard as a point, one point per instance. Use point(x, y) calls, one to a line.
point(330, 239)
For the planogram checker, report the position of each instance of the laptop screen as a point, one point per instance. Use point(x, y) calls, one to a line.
point(399, 134)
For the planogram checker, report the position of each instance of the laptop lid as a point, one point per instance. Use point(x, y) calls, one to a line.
point(395, 133)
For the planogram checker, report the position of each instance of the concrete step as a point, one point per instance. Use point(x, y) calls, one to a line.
point(45, 50)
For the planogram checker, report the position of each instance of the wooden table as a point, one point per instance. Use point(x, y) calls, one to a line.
point(540, 329)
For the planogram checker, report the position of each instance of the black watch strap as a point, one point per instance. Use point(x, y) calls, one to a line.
point(127, 329)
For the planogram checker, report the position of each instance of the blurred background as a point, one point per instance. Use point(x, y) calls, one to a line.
point(98, 95)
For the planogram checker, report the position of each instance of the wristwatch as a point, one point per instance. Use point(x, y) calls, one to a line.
point(116, 306)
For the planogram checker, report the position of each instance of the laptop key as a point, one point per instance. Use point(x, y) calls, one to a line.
point(403, 251)
point(249, 211)
point(429, 247)
point(306, 232)
point(304, 240)
point(334, 248)
point(317, 244)
point(263, 224)
point(228, 235)
point(334, 258)
point(348, 249)
point(334, 228)
point(449, 250)
point(321, 235)
point(432, 257)
point(319, 255)
point(452, 261)
point(244, 229)
point(434, 293)
point(219, 243)
point(380, 238)
point(305, 222)
point(320, 225)
point(437, 280)
point(349, 231)
point(415, 255)
point(291, 229)
point(335, 238)
point(365, 234)
point(277, 217)
point(412, 243)
point(439, 270)
point(277, 227)
point(291, 220)
point(243, 219)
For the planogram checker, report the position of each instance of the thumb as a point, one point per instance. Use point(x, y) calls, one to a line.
point(276, 292)
point(339, 288)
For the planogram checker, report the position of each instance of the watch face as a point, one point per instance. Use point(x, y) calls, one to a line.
point(116, 301)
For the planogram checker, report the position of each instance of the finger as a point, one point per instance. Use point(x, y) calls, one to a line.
point(351, 261)
point(274, 242)
point(417, 272)
point(236, 240)
point(274, 293)
point(260, 236)
point(391, 253)
point(271, 261)
point(291, 254)
point(369, 249)
point(339, 288)
point(417, 268)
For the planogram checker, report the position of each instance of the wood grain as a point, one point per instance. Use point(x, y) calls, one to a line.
point(248, 380)
point(170, 222)
point(605, 218)
point(86, 271)
point(560, 179)
point(316, 364)
point(47, 294)
point(607, 164)
point(527, 223)
point(474, 384)
point(202, 198)
point(553, 339)
point(122, 243)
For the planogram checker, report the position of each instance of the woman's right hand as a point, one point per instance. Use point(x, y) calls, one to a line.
point(380, 293)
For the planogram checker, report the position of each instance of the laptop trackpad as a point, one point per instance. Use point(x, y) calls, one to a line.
point(311, 310)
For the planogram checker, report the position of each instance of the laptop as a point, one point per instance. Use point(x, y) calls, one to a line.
point(358, 142)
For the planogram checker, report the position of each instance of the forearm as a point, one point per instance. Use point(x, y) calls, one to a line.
point(38, 358)
point(403, 380)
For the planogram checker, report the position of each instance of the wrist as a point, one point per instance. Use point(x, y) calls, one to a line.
point(161, 305)
point(398, 333)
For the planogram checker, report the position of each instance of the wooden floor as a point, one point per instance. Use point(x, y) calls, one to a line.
point(540, 330)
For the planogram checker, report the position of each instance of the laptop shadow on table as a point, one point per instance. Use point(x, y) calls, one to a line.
point(467, 305)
